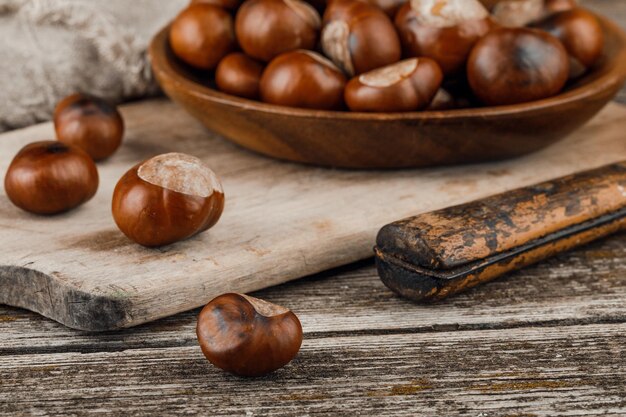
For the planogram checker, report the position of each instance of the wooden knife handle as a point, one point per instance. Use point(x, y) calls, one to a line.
point(436, 254)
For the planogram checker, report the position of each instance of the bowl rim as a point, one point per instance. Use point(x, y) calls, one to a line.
point(615, 76)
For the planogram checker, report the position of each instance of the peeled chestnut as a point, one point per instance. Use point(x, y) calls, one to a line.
point(518, 13)
point(226, 4)
point(581, 34)
point(167, 198)
point(408, 85)
point(517, 65)
point(239, 75)
point(89, 123)
point(50, 177)
point(268, 28)
point(303, 79)
point(247, 336)
point(444, 30)
point(202, 34)
point(359, 37)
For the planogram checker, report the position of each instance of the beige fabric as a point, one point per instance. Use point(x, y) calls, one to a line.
point(52, 48)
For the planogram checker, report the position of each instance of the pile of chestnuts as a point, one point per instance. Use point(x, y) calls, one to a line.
point(388, 55)
point(159, 201)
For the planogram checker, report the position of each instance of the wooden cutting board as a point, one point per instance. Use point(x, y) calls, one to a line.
point(282, 221)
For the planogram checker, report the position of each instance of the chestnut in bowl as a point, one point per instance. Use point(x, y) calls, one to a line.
point(239, 75)
point(303, 79)
point(444, 31)
point(359, 37)
point(89, 123)
point(247, 336)
point(202, 34)
point(268, 28)
point(408, 85)
point(581, 34)
point(517, 65)
point(166, 199)
point(50, 177)
point(518, 13)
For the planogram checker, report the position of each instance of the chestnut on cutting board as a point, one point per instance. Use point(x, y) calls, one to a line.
point(202, 34)
point(359, 37)
point(50, 177)
point(581, 34)
point(517, 65)
point(247, 336)
point(268, 28)
point(166, 199)
point(443, 30)
point(239, 75)
point(408, 85)
point(303, 79)
point(89, 123)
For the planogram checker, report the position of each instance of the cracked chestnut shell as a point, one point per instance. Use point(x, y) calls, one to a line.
point(359, 37)
point(202, 34)
point(247, 336)
point(443, 30)
point(408, 85)
point(517, 65)
point(89, 123)
point(268, 28)
point(303, 79)
point(166, 199)
point(581, 33)
point(239, 75)
point(50, 177)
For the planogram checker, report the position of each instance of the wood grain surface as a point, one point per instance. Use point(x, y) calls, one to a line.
point(282, 221)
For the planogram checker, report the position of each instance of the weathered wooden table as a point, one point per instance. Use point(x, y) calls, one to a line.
point(549, 340)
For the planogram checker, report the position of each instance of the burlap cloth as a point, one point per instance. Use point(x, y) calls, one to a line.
point(51, 48)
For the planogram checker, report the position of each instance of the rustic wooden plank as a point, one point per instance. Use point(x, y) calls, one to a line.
point(538, 371)
point(584, 286)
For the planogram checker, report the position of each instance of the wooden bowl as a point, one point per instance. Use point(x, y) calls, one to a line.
point(394, 140)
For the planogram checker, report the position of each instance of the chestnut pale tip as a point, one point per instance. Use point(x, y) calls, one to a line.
point(182, 173)
point(390, 75)
point(448, 13)
point(306, 12)
point(335, 43)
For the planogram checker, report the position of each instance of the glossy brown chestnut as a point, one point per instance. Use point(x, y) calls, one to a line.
point(89, 123)
point(239, 75)
point(303, 79)
point(202, 34)
point(225, 4)
point(518, 13)
point(517, 65)
point(268, 28)
point(247, 336)
point(444, 30)
point(407, 85)
point(581, 34)
point(50, 177)
point(359, 37)
point(167, 198)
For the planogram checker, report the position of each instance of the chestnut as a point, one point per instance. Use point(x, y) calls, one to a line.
point(247, 336)
point(50, 177)
point(225, 4)
point(581, 34)
point(239, 75)
point(517, 65)
point(303, 79)
point(167, 198)
point(444, 30)
point(404, 86)
point(359, 37)
point(89, 123)
point(268, 28)
point(518, 13)
point(389, 7)
point(202, 34)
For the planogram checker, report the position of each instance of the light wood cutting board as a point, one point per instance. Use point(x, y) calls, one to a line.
point(282, 221)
